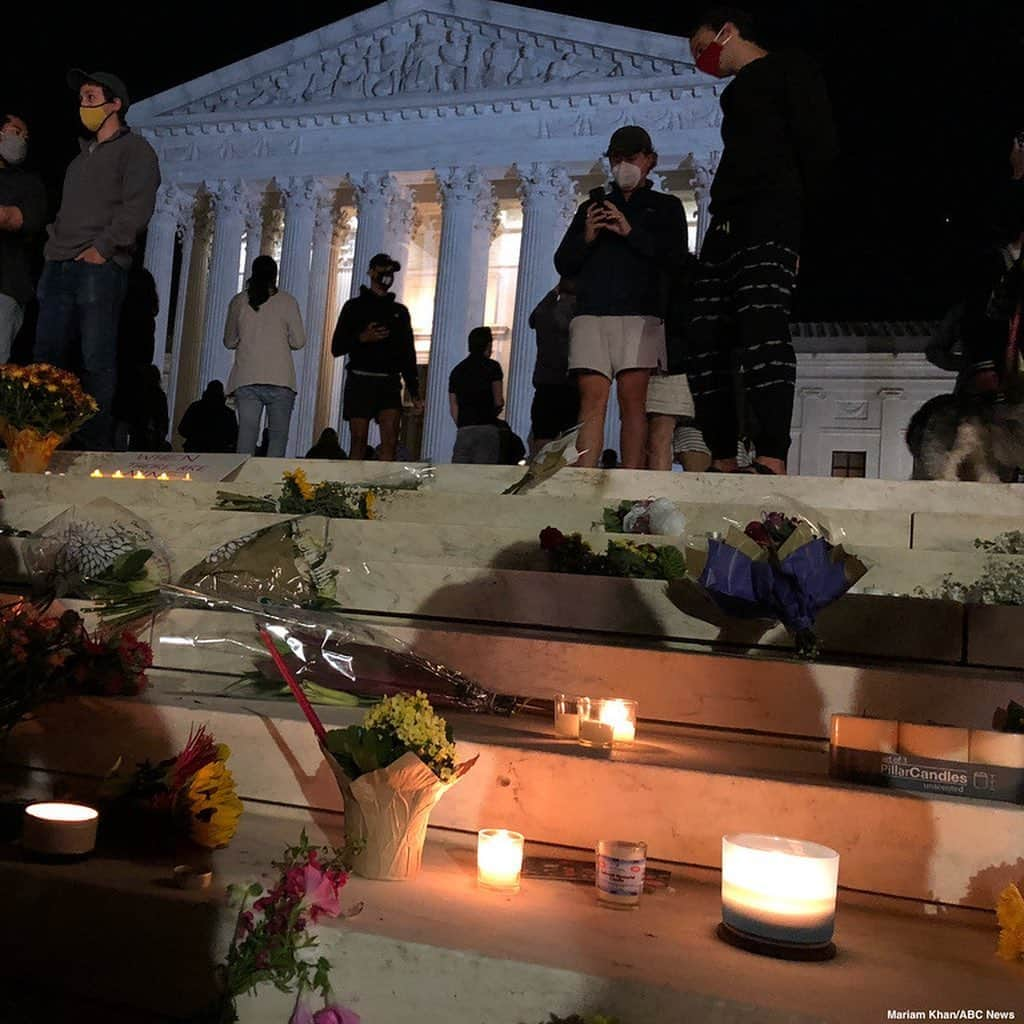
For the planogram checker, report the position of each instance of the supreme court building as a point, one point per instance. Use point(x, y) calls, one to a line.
point(459, 136)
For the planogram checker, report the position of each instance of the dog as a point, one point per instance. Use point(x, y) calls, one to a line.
point(964, 437)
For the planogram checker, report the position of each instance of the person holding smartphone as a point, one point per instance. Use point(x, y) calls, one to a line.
point(374, 331)
point(624, 248)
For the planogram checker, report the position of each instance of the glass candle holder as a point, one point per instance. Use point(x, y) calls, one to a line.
point(567, 716)
point(620, 871)
point(605, 723)
point(499, 859)
point(779, 894)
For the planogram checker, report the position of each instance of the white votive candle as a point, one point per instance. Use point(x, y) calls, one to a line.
point(60, 829)
point(606, 723)
point(779, 889)
point(499, 859)
point(567, 716)
point(620, 871)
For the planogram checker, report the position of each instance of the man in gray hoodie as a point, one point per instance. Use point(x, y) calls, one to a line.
point(109, 195)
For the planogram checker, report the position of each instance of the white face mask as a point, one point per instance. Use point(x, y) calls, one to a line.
point(627, 176)
point(13, 148)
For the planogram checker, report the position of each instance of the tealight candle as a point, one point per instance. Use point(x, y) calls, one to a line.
point(499, 859)
point(779, 895)
point(60, 829)
point(117, 475)
point(567, 716)
point(97, 474)
point(605, 723)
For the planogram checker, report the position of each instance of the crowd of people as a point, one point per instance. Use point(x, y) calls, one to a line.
point(695, 347)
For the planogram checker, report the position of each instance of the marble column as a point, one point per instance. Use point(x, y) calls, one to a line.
point(316, 316)
point(465, 194)
point(328, 413)
point(186, 344)
point(401, 219)
point(230, 199)
point(159, 258)
point(302, 196)
point(255, 219)
point(703, 176)
point(549, 200)
point(895, 461)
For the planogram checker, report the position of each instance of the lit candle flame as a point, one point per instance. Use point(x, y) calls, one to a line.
point(163, 476)
point(188, 476)
point(139, 475)
point(616, 714)
point(117, 475)
point(97, 474)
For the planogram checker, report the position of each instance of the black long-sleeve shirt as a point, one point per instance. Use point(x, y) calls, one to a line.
point(626, 276)
point(780, 145)
point(396, 354)
point(23, 189)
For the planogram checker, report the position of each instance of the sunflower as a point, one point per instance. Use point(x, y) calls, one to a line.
point(297, 477)
point(1010, 913)
point(212, 805)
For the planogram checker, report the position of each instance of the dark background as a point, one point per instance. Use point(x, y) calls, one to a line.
point(926, 99)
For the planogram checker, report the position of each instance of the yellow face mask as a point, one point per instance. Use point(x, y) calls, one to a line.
point(93, 117)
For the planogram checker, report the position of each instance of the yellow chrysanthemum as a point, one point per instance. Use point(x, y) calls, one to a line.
point(371, 504)
point(1010, 913)
point(213, 806)
point(304, 487)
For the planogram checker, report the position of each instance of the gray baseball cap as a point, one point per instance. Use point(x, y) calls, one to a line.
point(77, 78)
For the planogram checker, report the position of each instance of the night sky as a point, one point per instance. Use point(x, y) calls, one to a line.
point(927, 99)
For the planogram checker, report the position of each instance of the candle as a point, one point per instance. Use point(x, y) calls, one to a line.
point(499, 859)
point(117, 475)
point(876, 734)
point(163, 476)
point(605, 723)
point(97, 474)
point(567, 716)
point(188, 476)
point(1003, 749)
point(620, 871)
point(781, 890)
point(138, 475)
point(59, 829)
point(936, 742)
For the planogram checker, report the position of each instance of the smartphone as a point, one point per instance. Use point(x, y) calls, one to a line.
point(598, 195)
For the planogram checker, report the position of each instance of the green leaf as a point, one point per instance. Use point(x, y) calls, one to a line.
point(131, 564)
point(612, 521)
point(672, 563)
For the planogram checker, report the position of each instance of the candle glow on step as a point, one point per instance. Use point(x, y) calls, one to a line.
point(606, 723)
point(782, 890)
point(499, 859)
point(60, 829)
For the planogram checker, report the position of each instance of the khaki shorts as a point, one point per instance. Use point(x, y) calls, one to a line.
point(669, 395)
point(611, 344)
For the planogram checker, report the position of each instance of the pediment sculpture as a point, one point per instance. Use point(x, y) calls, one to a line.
point(431, 55)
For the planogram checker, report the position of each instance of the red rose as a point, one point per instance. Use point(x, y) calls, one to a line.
point(551, 539)
point(758, 533)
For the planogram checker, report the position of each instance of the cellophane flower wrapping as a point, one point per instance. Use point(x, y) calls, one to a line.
point(786, 565)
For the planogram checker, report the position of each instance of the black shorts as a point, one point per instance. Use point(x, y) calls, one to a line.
point(366, 397)
point(555, 409)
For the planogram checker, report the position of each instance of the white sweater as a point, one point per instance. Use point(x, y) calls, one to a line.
point(263, 340)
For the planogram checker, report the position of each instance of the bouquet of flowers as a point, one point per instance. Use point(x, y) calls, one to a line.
point(45, 657)
point(623, 558)
point(555, 455)
point(276, 941)
point(782, 566)
point(657, 516)
point(40, 407)
point(194, 787)
point(392, 769)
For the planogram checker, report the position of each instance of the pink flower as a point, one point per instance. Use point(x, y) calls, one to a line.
point(320, 894)
point(302, 1012)
point(336, 1014)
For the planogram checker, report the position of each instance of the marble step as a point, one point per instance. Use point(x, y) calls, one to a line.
point(467, 956)
point(679, 790)
point(945, 531)
point(783, 697)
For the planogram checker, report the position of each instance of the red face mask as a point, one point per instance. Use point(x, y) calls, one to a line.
point(710, 60)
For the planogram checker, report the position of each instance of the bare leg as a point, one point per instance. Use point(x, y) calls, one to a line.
point(695, 462)
point(389, 421)
point(594, 388)
point(632, 391)
point(777, 466)
point(660, 429)
point(360, 432)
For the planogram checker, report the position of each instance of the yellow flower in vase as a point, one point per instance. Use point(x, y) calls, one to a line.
point(1010, 913)
point(213, 806)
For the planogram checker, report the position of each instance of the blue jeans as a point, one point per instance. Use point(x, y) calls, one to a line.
point(11, 315)
point(82, 302)
point(251, 400)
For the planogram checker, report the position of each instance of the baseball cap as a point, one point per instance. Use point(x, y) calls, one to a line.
point(382, 259)
point(628, 140)
point(77, 78)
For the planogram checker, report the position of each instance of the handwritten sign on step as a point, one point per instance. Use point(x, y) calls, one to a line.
point(207, 468)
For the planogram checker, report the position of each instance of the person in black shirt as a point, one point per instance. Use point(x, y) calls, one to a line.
point(209, 425)
point(556, 397)
point(22, 215)
point(475, 396)
point(623, 247)
point(779, 143)
point(375, 332)
point(327, 446)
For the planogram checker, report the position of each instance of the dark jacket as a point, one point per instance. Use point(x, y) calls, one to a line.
point(626, 276)
point(25, 190)
point(109, 196)
point(550, 319)
point(779, 147)
point(395, 355)
point(209, 426)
